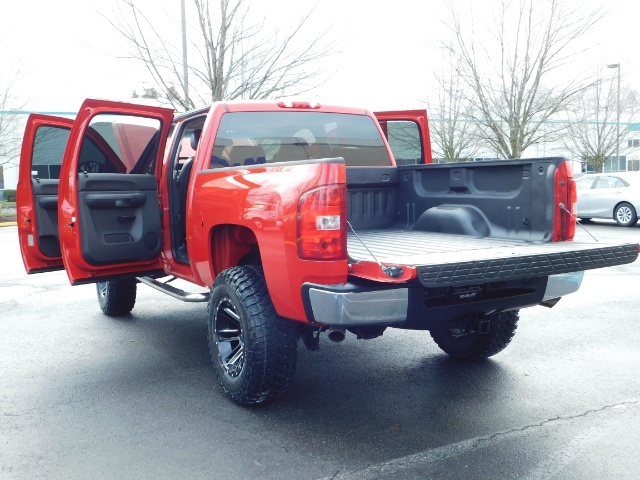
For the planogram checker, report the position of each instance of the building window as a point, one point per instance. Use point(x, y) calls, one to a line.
point(633, 142)
point(615, 164)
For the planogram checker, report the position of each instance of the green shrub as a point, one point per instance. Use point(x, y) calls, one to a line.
point(10, 195)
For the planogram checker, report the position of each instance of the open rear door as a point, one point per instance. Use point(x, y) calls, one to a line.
point(43, 145)
point(109, 209)
point(407, 132)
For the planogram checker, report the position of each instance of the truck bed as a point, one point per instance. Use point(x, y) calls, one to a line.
point(443, 259)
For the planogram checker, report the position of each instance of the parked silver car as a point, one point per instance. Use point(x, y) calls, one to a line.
point(609, 195)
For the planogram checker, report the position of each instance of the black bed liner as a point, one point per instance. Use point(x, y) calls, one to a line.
point(449, 259)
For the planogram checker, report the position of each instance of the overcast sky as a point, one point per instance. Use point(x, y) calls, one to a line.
point(68, 52)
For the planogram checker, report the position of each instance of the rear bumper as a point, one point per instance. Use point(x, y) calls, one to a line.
point(562, 284)
point(351, 304)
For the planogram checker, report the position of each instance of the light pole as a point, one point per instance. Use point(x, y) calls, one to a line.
point(185, 68)
point(617, 65)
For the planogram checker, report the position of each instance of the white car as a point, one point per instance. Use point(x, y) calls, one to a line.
point(609, 195)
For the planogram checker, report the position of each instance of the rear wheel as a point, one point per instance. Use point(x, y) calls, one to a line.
point(470, 339)
point(117, 297)
point(254, 351)
point(625, 215)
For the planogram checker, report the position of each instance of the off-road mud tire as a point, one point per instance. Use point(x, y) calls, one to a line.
point(254, 351)
point(117, 297)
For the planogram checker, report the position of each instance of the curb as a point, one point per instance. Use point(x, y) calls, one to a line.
point(8, 224)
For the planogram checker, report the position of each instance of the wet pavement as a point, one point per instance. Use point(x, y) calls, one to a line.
point(86, 396)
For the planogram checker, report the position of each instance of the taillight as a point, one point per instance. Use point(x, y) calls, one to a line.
point(564, 225)
point(322, 233)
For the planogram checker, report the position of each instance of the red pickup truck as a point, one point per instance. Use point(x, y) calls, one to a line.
point(295, 219)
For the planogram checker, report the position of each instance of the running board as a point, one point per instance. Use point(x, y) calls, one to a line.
point(173, 291)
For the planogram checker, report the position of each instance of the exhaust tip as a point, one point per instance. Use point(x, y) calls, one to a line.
point(336, 335)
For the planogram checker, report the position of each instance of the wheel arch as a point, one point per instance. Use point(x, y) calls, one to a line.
point(232, 245)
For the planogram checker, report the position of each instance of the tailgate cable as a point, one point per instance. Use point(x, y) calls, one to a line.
point(393, 271)
point(562, 207)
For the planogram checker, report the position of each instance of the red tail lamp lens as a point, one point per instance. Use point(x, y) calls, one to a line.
point(322, 224)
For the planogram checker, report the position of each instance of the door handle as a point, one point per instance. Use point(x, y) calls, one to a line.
point(116, 200)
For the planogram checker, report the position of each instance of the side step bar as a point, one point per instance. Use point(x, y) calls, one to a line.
point(173, 291)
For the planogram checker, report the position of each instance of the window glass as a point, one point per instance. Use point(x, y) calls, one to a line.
point(48, 151)
point(120, 144)
point(405, 142)
point(608, 182)
point(584, 183)
point(248, 138)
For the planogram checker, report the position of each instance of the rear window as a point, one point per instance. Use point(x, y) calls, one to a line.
point(247, 138)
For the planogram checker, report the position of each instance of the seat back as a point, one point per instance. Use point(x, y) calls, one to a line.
point(246, 155)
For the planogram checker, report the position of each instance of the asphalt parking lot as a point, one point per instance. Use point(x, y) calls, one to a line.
point(85, 396)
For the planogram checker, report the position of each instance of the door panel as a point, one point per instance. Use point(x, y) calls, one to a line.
point(43, 147)
point(120, 215)
point(605, 194)
point(583, 186)
point(407, 132)
point(109, 208)
point(45, 194)
point(602, 201)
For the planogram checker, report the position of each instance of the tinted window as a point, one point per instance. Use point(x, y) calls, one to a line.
point(120, 144)
point(404, 140)
point(48, 151)
point(246, 138)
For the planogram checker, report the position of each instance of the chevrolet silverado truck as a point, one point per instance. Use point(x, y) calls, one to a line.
point(294, 218)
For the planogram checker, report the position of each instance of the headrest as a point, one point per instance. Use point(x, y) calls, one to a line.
point(195, 138)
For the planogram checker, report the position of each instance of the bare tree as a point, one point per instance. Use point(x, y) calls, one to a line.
point(507, 67)
point(454, 131)
point(592, 135)
point(231, 57)
point(10, 140)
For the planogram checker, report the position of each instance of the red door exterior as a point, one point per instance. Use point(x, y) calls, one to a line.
point(37, 194)
point(419, 130)
point(109, 208)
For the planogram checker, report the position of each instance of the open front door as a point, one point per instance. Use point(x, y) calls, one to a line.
point(407, 132)
point(43, 145)
point(109, 210)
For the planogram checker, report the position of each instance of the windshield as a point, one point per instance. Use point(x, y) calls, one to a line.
point(246, 138)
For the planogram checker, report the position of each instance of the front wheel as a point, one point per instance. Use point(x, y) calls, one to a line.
point(625, 215)
point(117, 297)
point(472, 339)
point(254, 351)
